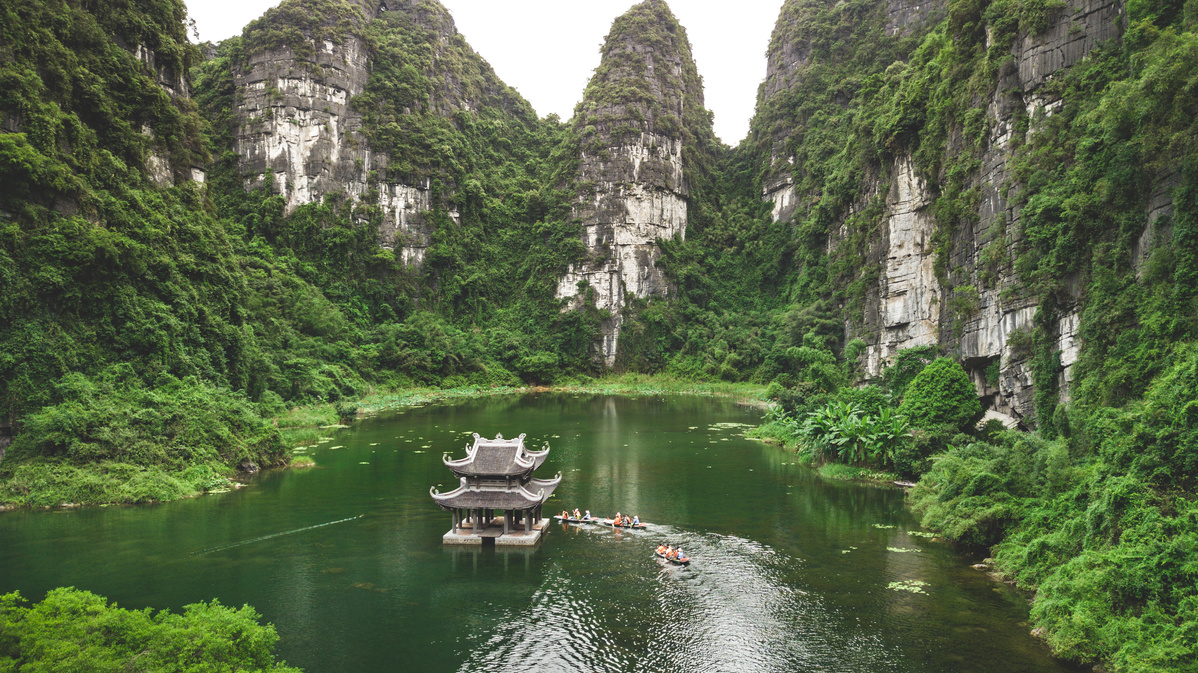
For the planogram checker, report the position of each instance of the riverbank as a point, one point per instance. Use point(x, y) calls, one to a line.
point(827, 470)
point(153, 447)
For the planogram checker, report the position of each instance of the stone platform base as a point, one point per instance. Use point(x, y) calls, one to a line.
point(494, 535)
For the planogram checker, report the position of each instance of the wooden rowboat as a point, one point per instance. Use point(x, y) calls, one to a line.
point(675, 561)
point(571, 519)
point(613, 524)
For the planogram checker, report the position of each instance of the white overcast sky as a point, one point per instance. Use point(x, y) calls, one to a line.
point(547, 49)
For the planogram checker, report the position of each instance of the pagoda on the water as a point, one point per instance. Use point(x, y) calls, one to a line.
point(498, 501)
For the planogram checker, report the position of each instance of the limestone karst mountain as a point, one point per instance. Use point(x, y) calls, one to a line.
point(325, 90)
point(644, 134)
point(936, 277)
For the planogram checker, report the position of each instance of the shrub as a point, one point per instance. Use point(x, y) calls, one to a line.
point(906, 366)
point(78, 630)
point(941, 395)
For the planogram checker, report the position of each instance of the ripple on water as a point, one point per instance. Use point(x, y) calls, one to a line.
point(736, 608)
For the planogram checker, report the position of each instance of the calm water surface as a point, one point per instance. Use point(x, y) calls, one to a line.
point(791, 573)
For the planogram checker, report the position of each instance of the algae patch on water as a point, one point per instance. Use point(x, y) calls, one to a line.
point(901, 550)
point(914, 586)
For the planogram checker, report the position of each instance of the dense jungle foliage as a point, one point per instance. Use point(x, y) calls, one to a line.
point(151, 328)
point(78, 630)
point(1095, 510)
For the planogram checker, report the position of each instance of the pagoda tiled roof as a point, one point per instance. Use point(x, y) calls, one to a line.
point(471, 495)
point(497, 457)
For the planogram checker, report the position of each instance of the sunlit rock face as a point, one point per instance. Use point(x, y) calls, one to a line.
point(631, 177)
point(298, 130)
point(972, 307)
point(907, 310)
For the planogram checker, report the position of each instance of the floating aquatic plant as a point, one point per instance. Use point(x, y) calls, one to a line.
point(914, 586)
point(901, 550)
point(333, 426)
point(336, 447)
point(882, 525)
point(920, 533)
point(363, 463)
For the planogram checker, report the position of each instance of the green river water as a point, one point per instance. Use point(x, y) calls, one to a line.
point(790, 572)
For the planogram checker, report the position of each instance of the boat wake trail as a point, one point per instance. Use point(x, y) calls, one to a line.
point(211, 550)
point(740, 606)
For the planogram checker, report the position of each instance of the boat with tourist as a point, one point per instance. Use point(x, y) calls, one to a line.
point(576, 517)
point(672, 555)
point(622, 521)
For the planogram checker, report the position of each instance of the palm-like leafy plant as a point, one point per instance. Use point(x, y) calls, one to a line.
point(840, 431)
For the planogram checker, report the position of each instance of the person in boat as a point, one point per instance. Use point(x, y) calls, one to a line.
point(678, 555)
point(587, 516)
point(616, 521)
point(577, 514)
point(636, 520)
point(565, 514)
point(661, 550)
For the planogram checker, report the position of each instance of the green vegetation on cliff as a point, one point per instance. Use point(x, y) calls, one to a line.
point(1095, 510)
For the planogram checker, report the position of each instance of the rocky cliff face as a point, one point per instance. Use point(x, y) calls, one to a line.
point(160, 165)
point(985, 337)
point(976, 313)
point(298, 130)
point(632, 176)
